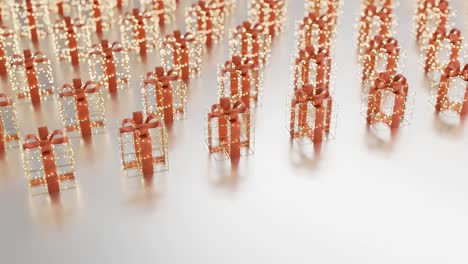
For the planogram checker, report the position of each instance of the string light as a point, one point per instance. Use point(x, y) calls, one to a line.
point(71, 39)
point(31, 18)
point(139, 32)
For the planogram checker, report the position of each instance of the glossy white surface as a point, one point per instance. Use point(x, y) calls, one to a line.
point(360, 202)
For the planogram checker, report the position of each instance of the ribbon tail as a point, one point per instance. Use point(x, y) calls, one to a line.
point(168, 105)
point(73, 46)
point(51, 176)
point(319, 124)
point(235, 144)
point(84, 120)
point(146, 156)
point(33, 86)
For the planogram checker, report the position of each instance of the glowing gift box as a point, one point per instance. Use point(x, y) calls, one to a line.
point(31, 76)
point(387, 102)
point(8, 48)
point(182, 52)
point(143, 145)
point(382, 56)
point(98, 14)
point(206, 20)
point(241, 80)
point(312, 114)
point(109, 65)
point(139, 32)
point(251, 41)
point(164, 10)
point(269, 13)
point(71, 39)
point(317, 31)
point(48, 161)
point(71, 8)
point(452, 93)
point(374, 21)
point(82, 108)
point(9, 124)
point(31, 18)
point(165, 94)
point(327, 8)
point(431, 14)
point(443, 48)
point(230, 132)
point(312, 66)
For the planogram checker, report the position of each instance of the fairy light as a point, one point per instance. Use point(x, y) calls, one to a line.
point(9, 120)
point(251, 41)
point(82, 107)
point(31, 18)
point(139, 32)
point(206, 19)
point(230, 130)
point(8, 48)
point(452, 92)
point(45, 156)
point(431, 14)
point(165, 94)
point(183, 53)
point(241, 79)
point(269, 13)
point(104, 58)
point(39, 76)
point(141, 141)
point(71, 39)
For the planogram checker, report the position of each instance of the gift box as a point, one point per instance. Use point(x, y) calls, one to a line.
point(207, 20)
point(240, 79)
point(387, 102)
point(9, 124)
point(64, 8)
point(98, 14)
point(312, 114)
point(164, 10)
point(431, 14)
point(251, 41)
point(268, 13)
point(139, 32)
point(327, 8)
point(108, 65)
point(183, 53)
point(48, 161)
point(452, 93)
point(71, 39)
point(382, 56)
point(82, 108)
point(374, 21)
point(31, 18)
point(31, 76)
point(443, 48)
point(230, 130)
point(316, 31)
point(165, 94)
point(312, 66)
point(143, 145)
point(8, 48)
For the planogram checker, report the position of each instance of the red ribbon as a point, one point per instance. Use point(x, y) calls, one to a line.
point(31, 21)
point(142, 137)
point(252, 32)
point(158, 5)
point(97, 16)
point(46, 142)
point(72, 40)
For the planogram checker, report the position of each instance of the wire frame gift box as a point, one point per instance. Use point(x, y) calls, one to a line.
point(165, 94)
point(164, 10)
point(312, 66)
point(31, 18)
point(312, 114)
point(143, 145)
point(443, 48)
point(82, 108)
point(451, 98)
point(71, 39)
point(383, 55)
point(31, 76)
point(183, 53)
point(269, 13)
point(241, 79)
point(431, 14)
point(313, 30)
point(388, 102)
point(8, 48)
point(251, 41)
point(329, 8)
point(230, 130)
point(374, 21)
point(207, 20)
point(109, 66)
point(9, 123)
point(139, 32)
point(48, 161)
point(98, 14)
